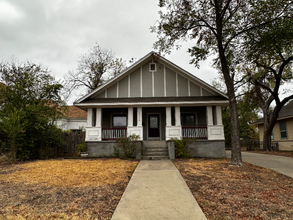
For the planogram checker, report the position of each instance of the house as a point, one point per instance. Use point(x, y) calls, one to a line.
point(157, 100)
point(283, 129)
point(75, 120)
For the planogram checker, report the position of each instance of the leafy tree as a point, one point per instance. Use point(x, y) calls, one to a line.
point(30, 104)
point(269, 60)
point(217, 27)
point(94, 68)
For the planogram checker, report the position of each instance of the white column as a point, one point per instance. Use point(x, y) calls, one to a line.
point(130, 116)
point(139, 116)
point(177, 116)
point(89, 117)
point(99, 117)
point(219, 115)
point(209, 115)
point(168, 116)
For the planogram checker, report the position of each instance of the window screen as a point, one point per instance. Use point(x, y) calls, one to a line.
point(188, 119)
point(119, 120)
point(283, 129)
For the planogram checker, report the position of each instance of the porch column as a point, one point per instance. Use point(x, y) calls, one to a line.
point(209, 115)
point(130, 117)
point(177, 116)
point(93, 133)
point(139, 116)
point(219, 115)
point(168, 116)
point(98, 117)
point(89, 117)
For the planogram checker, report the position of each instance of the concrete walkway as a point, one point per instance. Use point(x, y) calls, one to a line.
point(157, 191)
point(280, 164)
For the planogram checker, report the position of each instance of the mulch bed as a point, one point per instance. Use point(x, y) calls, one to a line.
point(63, 189)
point(228, 192)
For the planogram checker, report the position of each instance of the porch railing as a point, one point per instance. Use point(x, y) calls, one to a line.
point(194, 131)
point(113, 133)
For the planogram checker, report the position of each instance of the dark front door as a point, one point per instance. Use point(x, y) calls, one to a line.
point(154, 125)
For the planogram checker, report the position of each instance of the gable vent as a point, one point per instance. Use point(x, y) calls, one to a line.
point(153, 67)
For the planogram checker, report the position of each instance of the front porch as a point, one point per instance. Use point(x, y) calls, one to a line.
point(155, 123)
point(151, 124)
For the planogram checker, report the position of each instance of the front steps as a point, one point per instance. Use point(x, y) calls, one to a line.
point(155, 150)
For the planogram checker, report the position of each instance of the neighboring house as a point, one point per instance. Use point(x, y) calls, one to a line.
point(158, 101)
point(75, 121)
point(283, 129)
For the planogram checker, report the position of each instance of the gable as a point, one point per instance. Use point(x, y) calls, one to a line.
point(164, 80)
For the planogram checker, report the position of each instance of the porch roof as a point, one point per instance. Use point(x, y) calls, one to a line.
point(154, 101)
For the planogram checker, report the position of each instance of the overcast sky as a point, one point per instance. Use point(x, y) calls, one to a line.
point(56, 32)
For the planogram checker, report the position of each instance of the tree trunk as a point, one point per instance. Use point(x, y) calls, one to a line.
point(266, 134)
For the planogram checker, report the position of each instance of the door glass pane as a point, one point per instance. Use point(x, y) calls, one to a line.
point(153, 122)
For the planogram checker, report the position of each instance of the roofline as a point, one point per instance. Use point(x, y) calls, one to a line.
point(152, 103)
point(140, 61)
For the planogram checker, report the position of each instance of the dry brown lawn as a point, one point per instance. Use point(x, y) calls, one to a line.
point(227, 192)
point(63, 189)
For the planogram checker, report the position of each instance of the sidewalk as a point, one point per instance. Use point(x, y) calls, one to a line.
point(157, 191)
point(280, 164)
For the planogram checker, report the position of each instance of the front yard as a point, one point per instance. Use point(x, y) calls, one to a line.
point(227, 192)
point(63, 189)
point(92, 188)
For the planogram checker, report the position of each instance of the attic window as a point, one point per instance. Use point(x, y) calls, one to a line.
point(153, 67)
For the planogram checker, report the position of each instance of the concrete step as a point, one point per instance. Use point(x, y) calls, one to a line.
point(155, 157)
point(154, 149)
point(157, 153)
point(154, 144)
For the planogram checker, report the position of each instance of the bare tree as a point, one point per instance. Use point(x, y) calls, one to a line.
point(94, 68)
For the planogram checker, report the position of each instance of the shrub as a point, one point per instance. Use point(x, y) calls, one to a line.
point(126, 146)
point(82, 147)
point(181, 147)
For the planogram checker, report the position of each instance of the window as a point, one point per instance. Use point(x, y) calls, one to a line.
point(119, 120)
point(272, 135)
point(76, 131)
point(188, 119)
point(283, 130)
point(153, 67)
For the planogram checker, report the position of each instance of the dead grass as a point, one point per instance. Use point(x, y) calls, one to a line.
point(63, 189)
point(227, 192)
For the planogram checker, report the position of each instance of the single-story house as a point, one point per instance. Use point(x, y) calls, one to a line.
point(75, 120)
point(283, 129)
point(157, 100)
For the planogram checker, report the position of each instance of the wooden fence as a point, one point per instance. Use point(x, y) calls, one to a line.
point(71, 139)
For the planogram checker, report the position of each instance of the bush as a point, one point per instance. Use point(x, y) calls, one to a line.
point(181, 147)
point(82, 147)
point(126, 146)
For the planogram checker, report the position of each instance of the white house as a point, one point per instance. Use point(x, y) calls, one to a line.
point(157, 100)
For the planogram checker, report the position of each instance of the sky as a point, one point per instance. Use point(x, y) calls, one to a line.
point(56, 33)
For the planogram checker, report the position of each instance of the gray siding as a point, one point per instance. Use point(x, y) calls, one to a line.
point(146, 81)
point(170, 82)
point(123, 87)
point(112, 91)
point(194, 89)
point(159, 81)
point(101, 95)
point(206, 93)
point(135, 83)
point(182, 86)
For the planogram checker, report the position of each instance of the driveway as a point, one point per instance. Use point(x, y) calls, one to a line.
point(280, 164)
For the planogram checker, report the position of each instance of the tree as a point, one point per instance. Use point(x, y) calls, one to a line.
point(218, 27)
point(30, 104)
point(94, 68)
point(269, 60)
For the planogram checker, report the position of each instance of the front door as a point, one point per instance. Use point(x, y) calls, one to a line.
point(154, 126)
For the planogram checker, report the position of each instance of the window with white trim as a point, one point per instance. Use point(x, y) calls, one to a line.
point(188, 119)
point(119, 120)
point(153, 67)
point(283, 130)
